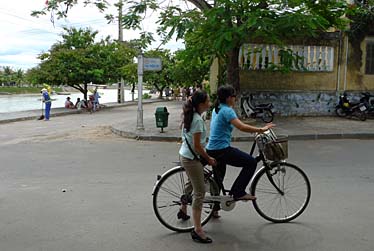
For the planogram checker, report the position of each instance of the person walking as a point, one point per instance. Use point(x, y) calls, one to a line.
point(96, 104)
point(194, 135)
point(223, 121)
point(47, 102)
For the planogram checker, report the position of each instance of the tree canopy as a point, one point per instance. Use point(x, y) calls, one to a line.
point(78, 60)
point(220, 27)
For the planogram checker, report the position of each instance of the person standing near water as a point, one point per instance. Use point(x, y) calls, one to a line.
point(48, 103)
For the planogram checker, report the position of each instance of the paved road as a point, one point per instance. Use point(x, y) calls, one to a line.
point(108, 182)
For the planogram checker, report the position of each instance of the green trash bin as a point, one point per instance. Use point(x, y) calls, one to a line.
point(161, 117)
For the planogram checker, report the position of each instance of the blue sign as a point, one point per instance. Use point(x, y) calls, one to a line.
point(152, 64)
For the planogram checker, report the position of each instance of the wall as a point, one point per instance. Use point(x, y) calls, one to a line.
point(356, 77)
point(303, 103)
point(311, 93)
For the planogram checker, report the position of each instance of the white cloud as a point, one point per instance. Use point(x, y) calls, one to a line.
point(23, 37)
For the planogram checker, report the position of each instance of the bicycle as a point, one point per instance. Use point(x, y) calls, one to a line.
point(282, 189)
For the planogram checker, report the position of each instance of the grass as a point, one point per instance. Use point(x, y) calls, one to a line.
point(23, 90)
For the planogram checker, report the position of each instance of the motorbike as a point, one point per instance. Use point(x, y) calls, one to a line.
point(345, 108)
point(368, 100)
point(262, 111)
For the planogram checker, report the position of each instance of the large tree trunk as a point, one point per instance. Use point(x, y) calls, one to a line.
point(85, 92)
point(233, 68)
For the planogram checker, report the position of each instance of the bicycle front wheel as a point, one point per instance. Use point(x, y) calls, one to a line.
point(289, 201)
point(173, 190)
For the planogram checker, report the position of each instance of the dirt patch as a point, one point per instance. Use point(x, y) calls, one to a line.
point(100, 133)
point(92, 134)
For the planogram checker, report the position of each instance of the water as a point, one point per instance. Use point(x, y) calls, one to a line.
point(24, 102)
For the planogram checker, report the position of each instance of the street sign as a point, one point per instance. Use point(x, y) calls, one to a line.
point(152, 64)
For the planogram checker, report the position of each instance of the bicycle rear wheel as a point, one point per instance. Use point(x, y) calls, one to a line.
point(170, 192)
point(288, 204)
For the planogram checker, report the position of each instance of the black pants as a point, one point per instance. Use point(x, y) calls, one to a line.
point(234, 157)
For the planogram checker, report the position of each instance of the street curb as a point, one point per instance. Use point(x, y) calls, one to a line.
point(68, 112)
point(139, 136)
point(5, 121)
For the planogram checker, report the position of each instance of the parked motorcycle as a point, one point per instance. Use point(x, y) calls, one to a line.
point(262, 111)
point(347, 109)
point(368, 100)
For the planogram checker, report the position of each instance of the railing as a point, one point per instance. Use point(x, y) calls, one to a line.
point(308, 58)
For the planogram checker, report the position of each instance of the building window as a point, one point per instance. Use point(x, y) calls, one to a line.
point(369, 69)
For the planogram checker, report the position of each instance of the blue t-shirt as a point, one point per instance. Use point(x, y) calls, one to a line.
point(221, 128)
point(197, 125)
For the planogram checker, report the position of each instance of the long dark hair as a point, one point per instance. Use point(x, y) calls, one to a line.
point(191, 105)
point(223, 93)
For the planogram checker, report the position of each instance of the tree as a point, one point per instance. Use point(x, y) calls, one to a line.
point(224, 25)
point(19, 77)
point(189, 68)
point(78, 60)
point(7, 74)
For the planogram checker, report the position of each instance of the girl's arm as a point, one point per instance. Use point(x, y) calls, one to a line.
point(200, 149)
point(247, 128)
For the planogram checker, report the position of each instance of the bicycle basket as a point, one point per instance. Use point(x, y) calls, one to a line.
point(274, 148)
point(277, 150)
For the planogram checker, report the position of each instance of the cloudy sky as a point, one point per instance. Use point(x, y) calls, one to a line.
point(23, 37)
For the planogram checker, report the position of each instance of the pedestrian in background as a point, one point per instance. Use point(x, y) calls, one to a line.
point(47, 102)
point(96, 104)
point(69, 104)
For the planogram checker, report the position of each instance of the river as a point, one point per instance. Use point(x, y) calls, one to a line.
point(24, 102)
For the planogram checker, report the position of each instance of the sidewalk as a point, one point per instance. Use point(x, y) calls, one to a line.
point(327, 127)
point(297, 128)
point(61, 111)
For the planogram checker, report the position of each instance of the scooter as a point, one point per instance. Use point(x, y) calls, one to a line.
point(347, 109)
point(368, 101)
point(262, 111)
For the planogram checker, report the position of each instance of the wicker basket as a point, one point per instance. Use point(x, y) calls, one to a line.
point(277, 149)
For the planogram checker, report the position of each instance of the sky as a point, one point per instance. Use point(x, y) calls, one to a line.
point(23, 37)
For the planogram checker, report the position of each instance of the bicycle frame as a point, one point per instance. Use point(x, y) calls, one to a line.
point(259, 158)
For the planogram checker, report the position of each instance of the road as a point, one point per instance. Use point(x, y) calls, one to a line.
point(75, 186)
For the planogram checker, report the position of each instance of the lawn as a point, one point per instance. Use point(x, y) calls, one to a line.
point(23, 90)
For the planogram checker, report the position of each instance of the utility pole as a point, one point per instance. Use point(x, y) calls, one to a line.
point(121, 98)
point(120, 30)
point(139, 123)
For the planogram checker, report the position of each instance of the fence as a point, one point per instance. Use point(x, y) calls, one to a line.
point(306, 58)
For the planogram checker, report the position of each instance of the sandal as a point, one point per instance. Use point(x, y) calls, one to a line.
point(182, 215)
point(198, 238)
point(216, 215)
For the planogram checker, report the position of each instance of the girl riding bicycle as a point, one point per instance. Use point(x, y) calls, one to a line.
point(224, 119)
point(194, 136)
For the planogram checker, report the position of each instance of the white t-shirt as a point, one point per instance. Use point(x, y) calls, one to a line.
point(197, 125)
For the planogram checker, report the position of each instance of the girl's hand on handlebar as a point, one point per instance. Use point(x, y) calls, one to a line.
point(212, 161)
point(267, 127)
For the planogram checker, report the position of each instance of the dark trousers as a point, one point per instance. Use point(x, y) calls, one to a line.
point(47, 109)
point(234, 157)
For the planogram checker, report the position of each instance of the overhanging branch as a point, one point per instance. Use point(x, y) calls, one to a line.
point(201, 4)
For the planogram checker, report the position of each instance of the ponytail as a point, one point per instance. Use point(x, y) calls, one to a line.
point(187, 114)
point(216, 105)
point(191, 106)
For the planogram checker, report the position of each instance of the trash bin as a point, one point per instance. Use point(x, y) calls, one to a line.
point(161, 117)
